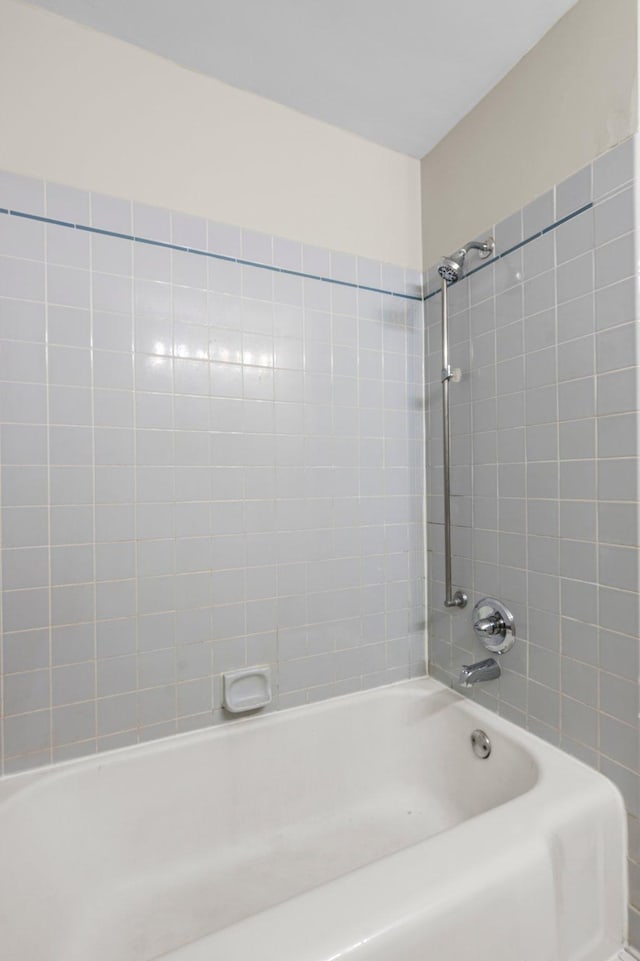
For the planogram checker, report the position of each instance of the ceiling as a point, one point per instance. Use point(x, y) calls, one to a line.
point(401, 73)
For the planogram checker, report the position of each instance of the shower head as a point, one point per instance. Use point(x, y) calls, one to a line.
point(451, 267)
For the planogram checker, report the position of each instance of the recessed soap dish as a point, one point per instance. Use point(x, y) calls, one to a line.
point(247, 689)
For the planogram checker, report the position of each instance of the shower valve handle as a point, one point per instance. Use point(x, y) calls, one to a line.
point(491, 626)
point(493, 623)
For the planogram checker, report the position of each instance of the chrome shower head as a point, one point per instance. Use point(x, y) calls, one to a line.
point(451, 267)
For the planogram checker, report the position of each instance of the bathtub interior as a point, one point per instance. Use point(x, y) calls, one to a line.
point(135, 854)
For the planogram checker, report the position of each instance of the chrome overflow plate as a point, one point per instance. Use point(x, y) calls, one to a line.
point(493, 623)
point(481, 744)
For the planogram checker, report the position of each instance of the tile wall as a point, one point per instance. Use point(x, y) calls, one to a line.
point(545, 471)
point(211, 456)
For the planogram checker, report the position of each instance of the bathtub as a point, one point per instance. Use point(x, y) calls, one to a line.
point(363, 828)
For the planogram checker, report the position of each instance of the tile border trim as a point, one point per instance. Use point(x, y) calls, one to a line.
point(207, 253)
point(521, 243)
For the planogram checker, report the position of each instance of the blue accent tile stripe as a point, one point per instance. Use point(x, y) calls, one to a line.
point(563, 220)
point(522, 243)
point(207, 253)
point(39, 218)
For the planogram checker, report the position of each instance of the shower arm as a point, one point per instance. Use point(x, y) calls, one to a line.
point(484, 247)
point(459, 599)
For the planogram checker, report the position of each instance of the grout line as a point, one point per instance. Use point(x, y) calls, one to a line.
point(207, 253)
point(520, 244)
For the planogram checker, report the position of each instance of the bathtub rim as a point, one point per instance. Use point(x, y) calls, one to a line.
point(535, 747)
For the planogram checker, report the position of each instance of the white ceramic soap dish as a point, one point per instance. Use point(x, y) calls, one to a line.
point(247, 689)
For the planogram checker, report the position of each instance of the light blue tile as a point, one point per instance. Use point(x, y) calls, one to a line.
point(574, 192)
point(111, 213)
point(613, 169)
point(25, 194)
point(614, 217)
point(508, 232)
point(539, 214)
point(67, 203)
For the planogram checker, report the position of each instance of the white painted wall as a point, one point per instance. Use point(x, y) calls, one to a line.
point(84, 109)
point(571, 98)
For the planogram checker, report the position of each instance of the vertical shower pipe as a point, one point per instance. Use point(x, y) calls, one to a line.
point(459, 599)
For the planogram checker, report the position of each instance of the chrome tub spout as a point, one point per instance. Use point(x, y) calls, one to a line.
point(487, 670)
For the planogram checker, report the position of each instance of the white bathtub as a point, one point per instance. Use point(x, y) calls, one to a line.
point(363, 827)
